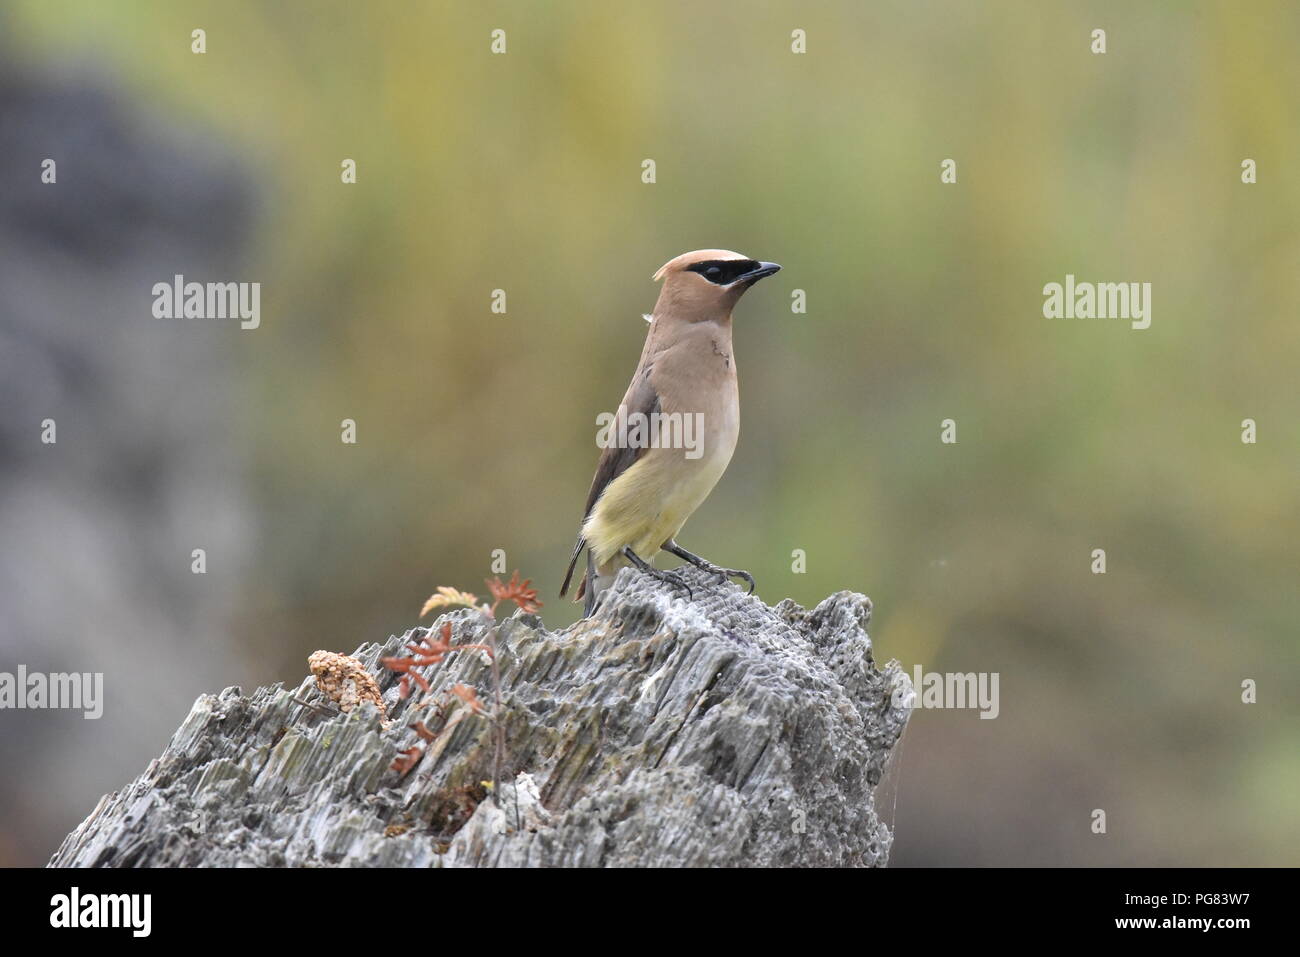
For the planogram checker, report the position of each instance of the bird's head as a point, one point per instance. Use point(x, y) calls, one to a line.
point(707, 283)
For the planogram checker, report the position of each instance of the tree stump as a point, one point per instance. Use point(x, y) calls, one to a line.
point(659, 732)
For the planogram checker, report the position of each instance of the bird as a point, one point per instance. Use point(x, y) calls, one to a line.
point(645, 489)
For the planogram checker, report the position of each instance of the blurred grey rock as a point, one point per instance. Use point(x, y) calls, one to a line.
point(99, 527)
point(659, 732)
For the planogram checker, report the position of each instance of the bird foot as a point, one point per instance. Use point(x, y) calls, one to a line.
point(672, 578)
point(726, 574)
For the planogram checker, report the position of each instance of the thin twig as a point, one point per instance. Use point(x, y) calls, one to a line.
point(519, 821)
point(496, 718)
point(317, 708)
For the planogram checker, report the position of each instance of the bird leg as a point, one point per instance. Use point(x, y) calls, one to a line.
point(723, 573)
point(671, 578)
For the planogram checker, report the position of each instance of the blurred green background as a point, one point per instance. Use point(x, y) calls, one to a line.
point(522, 172)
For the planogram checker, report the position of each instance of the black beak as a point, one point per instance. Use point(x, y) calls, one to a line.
point(764, 269)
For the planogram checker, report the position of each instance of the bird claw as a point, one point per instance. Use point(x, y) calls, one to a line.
point(726, 574)
point(675, 580)
point(672, 578)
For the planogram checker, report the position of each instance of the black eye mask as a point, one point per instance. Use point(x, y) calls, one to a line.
point(723, 272)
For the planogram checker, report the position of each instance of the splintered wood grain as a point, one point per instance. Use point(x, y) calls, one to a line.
point(659, 732)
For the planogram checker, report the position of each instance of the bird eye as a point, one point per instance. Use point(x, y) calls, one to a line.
point(713, 272)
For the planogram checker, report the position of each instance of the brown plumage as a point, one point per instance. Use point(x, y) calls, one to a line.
point(641, 496)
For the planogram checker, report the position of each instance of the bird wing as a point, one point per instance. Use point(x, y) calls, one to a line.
point(641, 397)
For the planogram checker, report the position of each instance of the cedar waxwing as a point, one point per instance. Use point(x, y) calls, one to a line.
point(674, 431)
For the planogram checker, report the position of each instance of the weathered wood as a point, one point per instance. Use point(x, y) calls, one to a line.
point(658, 732)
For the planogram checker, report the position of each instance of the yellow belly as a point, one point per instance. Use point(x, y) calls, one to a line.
point(650, 502)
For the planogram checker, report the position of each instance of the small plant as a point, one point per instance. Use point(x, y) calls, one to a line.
point(427, 652)
point(431, 652)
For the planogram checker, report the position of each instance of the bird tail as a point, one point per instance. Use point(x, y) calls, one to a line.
point(588, 587)
point(573, 561)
